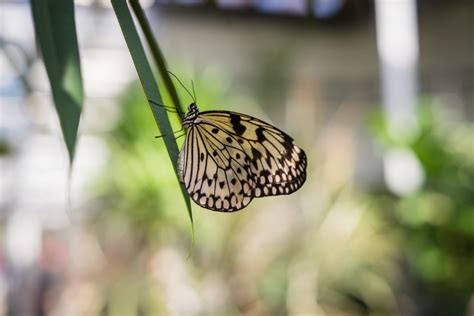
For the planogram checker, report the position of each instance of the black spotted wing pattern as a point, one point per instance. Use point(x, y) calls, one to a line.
point(230, 158)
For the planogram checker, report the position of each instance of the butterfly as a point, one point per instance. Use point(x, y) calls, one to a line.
point(230, 158)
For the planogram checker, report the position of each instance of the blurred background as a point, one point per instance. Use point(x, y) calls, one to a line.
point(380, 95)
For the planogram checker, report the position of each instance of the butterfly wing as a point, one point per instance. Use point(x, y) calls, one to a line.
point(213, 175)
point(277, 164)
point(229, 158)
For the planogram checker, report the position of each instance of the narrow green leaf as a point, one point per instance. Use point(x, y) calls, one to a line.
point(56, 36)
point(156, 53)
point(151, 89)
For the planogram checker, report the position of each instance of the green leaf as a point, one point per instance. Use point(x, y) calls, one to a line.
point(56, 36)
point(157, 54)
point(151, 89)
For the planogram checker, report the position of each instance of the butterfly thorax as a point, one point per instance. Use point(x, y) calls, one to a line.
point(191, 115)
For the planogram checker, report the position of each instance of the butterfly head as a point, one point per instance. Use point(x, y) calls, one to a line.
point(191, 115)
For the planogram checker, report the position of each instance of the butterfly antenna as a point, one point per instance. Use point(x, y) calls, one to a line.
point(182, 85)
point(194, 92)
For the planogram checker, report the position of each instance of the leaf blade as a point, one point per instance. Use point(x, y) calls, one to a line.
point(55, 32)
point(156, 53)
point(151, 90)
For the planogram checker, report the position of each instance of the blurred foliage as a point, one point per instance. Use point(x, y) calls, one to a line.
point(138, 205)
point(435, 225)
point(5, 147)
point(323, 251)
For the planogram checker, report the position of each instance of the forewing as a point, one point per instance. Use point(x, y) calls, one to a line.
point(277, 165)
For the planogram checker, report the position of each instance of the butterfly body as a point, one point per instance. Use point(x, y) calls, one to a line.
point(229, 158)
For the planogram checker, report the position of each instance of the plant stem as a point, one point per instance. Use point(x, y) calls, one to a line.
point(156, 53)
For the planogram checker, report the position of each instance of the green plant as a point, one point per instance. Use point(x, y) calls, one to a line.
point(435, 224)
point(56, 35)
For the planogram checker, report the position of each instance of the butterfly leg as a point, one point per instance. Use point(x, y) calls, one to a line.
point(180, 130)
point(167, 108)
